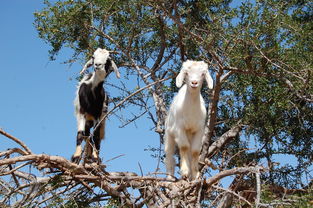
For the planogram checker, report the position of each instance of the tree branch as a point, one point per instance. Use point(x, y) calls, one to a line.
point(15, 140)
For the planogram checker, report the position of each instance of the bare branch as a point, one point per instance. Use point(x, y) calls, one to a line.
point(258, 187)
point(234, 171)
point(219, 143)
point(15, 140)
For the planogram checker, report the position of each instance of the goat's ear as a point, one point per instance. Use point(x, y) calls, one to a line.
point(209, 79)
point(182, 74)
point(180, 78)
point(115, 69)
point(87, 65)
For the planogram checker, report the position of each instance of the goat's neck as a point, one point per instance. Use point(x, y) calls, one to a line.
point(97, 78)
point(192, 95)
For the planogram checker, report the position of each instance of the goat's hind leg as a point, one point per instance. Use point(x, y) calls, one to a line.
point(184, 152)
point(99, 132)
point(195, 153)
point(169, 148)
point(98, 136)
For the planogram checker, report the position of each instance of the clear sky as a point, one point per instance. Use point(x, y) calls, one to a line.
point(36, 98)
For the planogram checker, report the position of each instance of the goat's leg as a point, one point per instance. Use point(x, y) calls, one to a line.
point(195, 152)
point(184, 152)
point(99, 133)
point(81, 122)
point(98, 136)
point(169, 148)
point(89, 142)
point(77, 155)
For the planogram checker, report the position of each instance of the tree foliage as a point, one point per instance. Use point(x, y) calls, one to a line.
point(260, 55)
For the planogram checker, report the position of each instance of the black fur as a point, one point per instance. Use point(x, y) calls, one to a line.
point(80, 138)
point(91, 100)
point(107, 66)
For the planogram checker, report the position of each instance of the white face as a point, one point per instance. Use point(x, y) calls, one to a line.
point(100, 57)
point(195, 73)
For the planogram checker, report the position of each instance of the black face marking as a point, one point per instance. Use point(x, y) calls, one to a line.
point(108, 65)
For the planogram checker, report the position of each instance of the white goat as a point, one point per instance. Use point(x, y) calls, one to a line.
point(185, 122)
point(91, 103)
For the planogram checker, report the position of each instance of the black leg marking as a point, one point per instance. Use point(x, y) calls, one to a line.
point(88, 126)
point(80, 138)
point(96, 138)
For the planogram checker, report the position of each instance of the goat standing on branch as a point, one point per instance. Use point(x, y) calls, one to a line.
point(91, 104)
point(185, 122)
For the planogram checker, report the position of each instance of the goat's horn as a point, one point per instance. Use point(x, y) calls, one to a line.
point(87, 65)
point(114, 52)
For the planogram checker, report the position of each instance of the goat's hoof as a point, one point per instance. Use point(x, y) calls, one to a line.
point(88, 160)
point(93, 160)
point(75, 159)
point(185, 177)
point(196, 176)
point(171, 178)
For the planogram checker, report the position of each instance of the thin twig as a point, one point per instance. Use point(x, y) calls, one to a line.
point(127, 98)
point(233, 193)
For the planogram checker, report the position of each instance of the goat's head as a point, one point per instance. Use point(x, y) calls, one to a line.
point(193, 72)
point(102, 62)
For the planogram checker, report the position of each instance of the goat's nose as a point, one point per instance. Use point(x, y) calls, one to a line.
point(194, 82)
point(97, 64)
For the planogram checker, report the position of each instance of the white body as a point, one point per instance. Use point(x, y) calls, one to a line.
point(184, 125)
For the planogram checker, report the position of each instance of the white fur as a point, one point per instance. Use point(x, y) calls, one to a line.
point(98, 60)
point(184, 125)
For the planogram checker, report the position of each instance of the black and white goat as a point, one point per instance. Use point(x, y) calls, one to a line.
point(91, 103)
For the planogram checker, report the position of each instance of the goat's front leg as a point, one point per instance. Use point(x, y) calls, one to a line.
point(195, 152)
point(184, 152)
point(78, 152)
point(81, 124)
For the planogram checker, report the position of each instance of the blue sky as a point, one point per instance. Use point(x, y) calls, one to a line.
point(36, 103)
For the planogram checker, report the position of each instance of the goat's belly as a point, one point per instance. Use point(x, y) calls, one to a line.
point(89, 117)
point(93, 112)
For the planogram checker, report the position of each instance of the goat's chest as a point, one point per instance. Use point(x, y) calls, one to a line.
point(193, 118)
point(91, 99)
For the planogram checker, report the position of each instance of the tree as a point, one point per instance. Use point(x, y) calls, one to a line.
point(261, 106)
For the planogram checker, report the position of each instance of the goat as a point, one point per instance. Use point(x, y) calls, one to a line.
point(185, 122)
point(91, 104)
